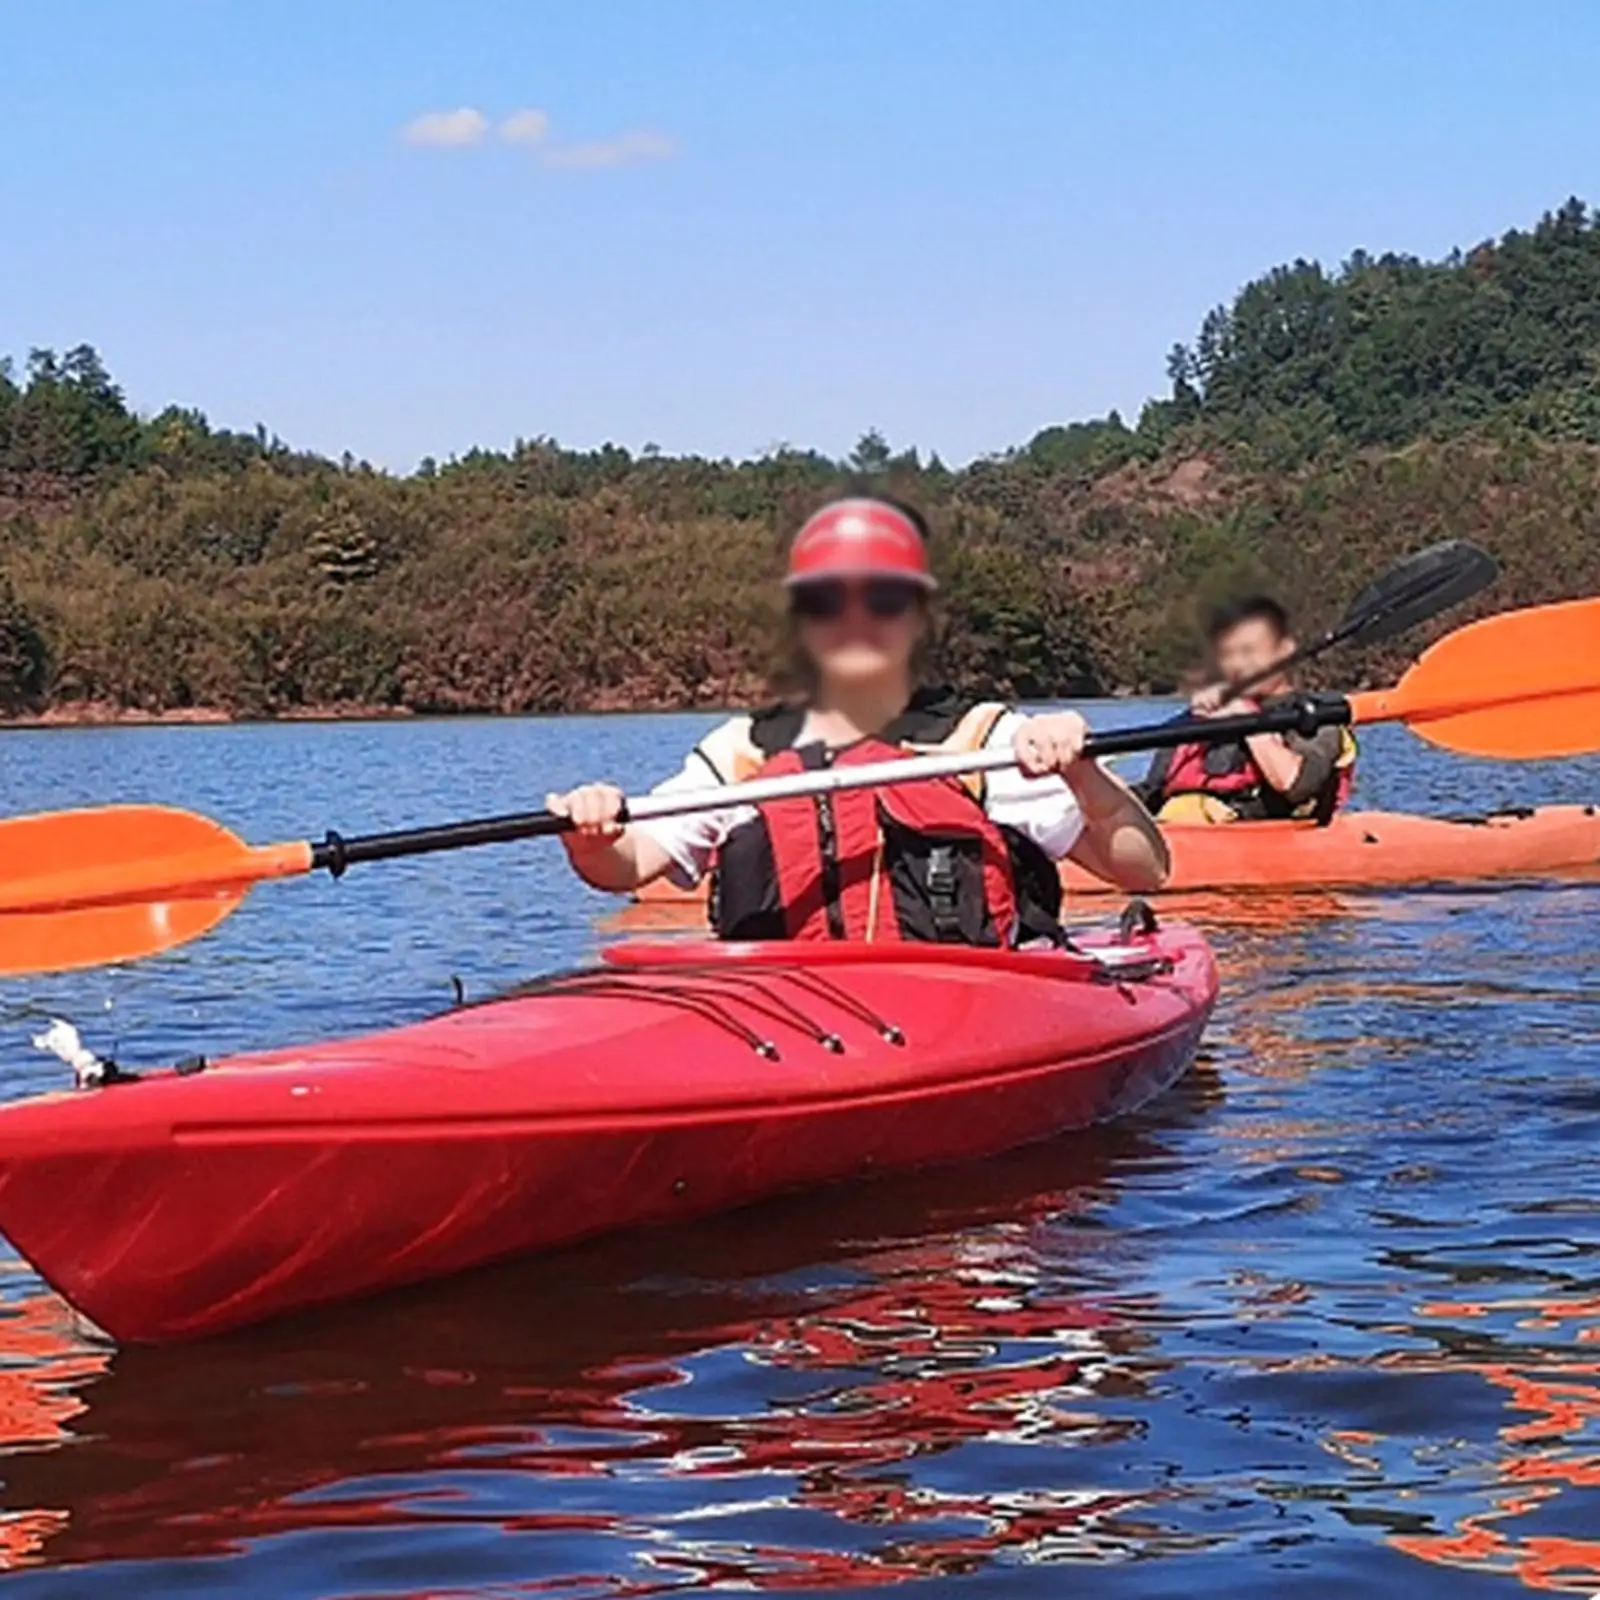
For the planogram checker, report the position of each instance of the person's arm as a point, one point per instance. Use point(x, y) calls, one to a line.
point(605, 852)
point(621, 857)
point(1280, 765)
point(1297, 767)
point(1118, 840)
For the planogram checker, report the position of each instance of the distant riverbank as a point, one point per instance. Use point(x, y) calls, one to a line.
point(104, 714)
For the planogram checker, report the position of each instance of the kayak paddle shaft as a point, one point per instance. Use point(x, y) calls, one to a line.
point(1305, 715)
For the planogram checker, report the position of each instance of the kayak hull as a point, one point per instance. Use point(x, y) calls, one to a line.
point(671, 1085)
point(1358, 849)
point(1371, 849)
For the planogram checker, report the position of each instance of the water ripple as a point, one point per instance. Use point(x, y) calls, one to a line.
point(1325, 1320)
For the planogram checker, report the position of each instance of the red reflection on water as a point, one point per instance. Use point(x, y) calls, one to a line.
point(572, 1367)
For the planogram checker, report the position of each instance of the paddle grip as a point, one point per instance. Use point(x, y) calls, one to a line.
point(335, 852)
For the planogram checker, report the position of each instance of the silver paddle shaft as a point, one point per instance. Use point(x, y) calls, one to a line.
point(824, 780)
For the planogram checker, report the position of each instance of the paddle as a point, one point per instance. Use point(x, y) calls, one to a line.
point(1422, 587)
point(83, 888)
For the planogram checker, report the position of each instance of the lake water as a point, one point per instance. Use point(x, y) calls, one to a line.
point(1323, 1321)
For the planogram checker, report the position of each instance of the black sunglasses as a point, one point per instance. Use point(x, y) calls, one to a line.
point(828, 599)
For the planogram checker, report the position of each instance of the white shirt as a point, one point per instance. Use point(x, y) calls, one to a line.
point(1042, 808)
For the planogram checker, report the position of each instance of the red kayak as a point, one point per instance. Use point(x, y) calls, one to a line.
point(675, 1080)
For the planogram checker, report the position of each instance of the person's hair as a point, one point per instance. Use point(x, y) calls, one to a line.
point(911, 513)
point(1253, 608)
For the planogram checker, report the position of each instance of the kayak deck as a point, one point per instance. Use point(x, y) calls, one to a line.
point(672, 1082)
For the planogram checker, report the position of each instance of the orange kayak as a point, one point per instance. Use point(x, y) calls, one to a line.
point(1365, 849)
point(1360, 849)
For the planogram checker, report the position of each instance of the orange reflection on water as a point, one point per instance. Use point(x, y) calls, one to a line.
point(41, 1356)
point(40, 1359)
point(1553, 1450)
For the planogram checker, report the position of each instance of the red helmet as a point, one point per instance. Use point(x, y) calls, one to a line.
point(860, 539)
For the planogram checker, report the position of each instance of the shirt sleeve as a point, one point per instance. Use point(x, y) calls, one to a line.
point(1319, 755)
point(1044, 809)
point(691, 842)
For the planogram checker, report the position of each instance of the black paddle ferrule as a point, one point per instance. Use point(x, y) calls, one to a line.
point(331, 854)
point(1318, 711)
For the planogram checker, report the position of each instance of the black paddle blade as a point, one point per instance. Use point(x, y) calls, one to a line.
point(1430, 582)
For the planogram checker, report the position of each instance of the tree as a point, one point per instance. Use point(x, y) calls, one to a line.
point(24, 654)
point(872, 455)
point(342, 546)
point(1391, 348)
point(1319, 425)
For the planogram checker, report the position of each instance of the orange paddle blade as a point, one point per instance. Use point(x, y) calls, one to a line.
point(83, 888)
point(1519, 686)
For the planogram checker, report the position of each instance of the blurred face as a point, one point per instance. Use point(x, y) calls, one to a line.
point(855, 630)
point(1249, 647)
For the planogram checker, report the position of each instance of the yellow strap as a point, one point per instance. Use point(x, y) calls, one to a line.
point(970, 734)
point(975, 729)
point(1197, 808)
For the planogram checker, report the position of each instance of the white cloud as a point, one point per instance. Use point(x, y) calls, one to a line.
point(525, 127)
point(447, 130)
point(621, 150)
point(530, 127)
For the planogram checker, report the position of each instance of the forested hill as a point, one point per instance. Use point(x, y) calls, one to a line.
point(1317, 427)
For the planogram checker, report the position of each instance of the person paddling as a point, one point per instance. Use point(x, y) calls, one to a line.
point(1269, 774)
point(955, 861)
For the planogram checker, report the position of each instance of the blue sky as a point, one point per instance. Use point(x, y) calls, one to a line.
point(719, 225)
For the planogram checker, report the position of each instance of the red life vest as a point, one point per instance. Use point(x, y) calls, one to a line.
point(1188, 771)
point(919, 861)
point(1230, 773)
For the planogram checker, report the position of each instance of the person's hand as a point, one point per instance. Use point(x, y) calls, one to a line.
point(1050, 744)
point(1220, 701)
point(595, 810)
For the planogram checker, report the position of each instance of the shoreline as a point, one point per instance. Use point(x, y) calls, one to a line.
point(99, 714)
point(102, 714)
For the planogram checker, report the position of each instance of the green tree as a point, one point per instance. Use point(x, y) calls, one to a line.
point(872, 455)
point(1318, 426)
point(24, 654)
